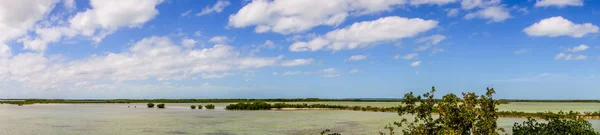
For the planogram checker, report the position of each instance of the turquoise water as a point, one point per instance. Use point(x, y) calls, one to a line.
point(91, 119)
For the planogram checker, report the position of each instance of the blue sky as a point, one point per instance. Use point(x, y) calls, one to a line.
point(535, 49)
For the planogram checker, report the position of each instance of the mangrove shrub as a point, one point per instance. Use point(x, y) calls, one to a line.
point(150, 105)
point(160, 105)
point(192, 106)
point(199, 106)
point(554, 126)
point(210, 106)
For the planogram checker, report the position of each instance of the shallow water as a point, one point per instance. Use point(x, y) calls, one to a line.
point(67, 119)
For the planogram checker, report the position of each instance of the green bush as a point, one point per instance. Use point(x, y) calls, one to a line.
point(210, 106)
point(160, 106)
point(199, 106)
point(150, 105)
point(192, 106)
point(554, 126)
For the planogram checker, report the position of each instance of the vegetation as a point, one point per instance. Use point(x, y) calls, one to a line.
point(192, 106)
point(210, 106)
point(150, 105)
point(476, 115)
point(554, 126)
point(259, 105)
point(199, 106)
point(160, 106)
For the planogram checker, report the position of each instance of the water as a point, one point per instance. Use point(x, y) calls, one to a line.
point(90, 119)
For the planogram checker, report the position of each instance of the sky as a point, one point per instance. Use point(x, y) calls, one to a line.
point(145, 49)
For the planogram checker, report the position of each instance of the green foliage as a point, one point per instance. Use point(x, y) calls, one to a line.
point(554, 126)
point(160, 106)
point(328, 132)
point(192, 106)
point(150, 105)
point(199, 106)
point(470, 114)
point(210, 106)
point(259, 105)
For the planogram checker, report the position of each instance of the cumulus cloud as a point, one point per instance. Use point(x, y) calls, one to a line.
point(470, 4)
point(565, 56)
point(570, 56)
point(559, 26)
point(297, 62)
point(102, 19)
point(452, 12)
point(432, 2)
point(220, 40)
point(188, 43)
point(366, 33)
point(581, 47)
point(357, 57)
point(217, 8)
point(19, 16)
point(292, 16)
point(410, 56)
point(326, 73)
point(434, 39)
point(150, 58)
point(106, 16)
point(558, 3)
point(415, 63)
point(329, 72)
point(521, 51)
point(493, 13)
point(185, 13)
point(430, 41)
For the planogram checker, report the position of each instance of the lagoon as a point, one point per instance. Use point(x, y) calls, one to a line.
point(178, 118)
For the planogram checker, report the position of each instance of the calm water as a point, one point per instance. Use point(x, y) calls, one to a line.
point(67, 119)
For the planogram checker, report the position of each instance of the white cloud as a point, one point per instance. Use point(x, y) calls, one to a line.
point(470, 4)
point(581, 47)
point(429, 42)
point(106, 16)
point(433, 2)
point(188, 43)
point(452, 12)
point(150, 58)
point(521, 51)
point(294, 16)
point(329, 72)
point(493, 13)
point(559, 26)
point(410, 56)
point(357, 57)
point(5, 51)
point(434, 39)
point(353, 71)
point(197, 33)
point(19, 16)
point(220, 40)
point(366, 33)
point(69, 4)
point(218, 8)
point(185, 13)
point(558, 3)
point(297, 62)
point(415, 63)
point(564, 56)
